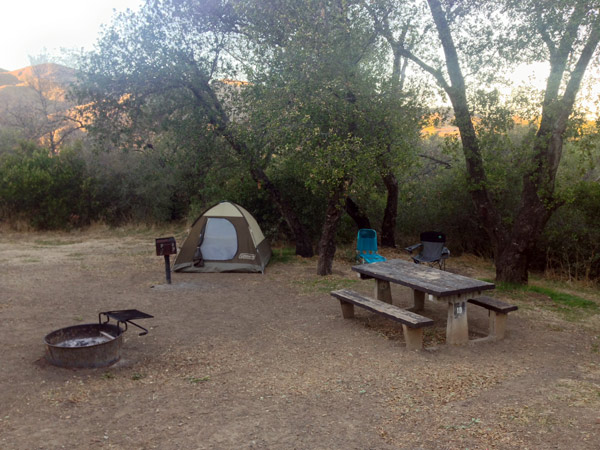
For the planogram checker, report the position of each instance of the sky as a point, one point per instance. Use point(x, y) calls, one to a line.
point(34, 27)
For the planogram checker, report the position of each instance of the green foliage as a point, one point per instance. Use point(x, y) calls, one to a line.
point(323, 114)
point(78, 186)
point(436, 197)
point(48, 192)
point(571, 242)
point(315, 108)
point(198, 380)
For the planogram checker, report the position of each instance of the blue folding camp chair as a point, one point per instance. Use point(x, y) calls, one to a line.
point(432, 250)
point(366, 247)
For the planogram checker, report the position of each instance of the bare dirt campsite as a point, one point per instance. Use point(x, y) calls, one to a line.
point(235, 361)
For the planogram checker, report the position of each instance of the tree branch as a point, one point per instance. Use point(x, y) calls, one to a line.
point(399, 48)
point(560, 56)
point(439, 161)
point(568, 99)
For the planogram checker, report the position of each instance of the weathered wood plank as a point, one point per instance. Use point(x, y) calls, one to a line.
point(494, 304)
point(422, 278)
point(407, 318)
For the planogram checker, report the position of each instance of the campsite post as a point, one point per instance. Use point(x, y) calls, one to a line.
point(166, 247)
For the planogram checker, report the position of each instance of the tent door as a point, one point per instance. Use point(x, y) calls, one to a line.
point(220, 241)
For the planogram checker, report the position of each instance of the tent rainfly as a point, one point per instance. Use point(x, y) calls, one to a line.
point(226, 238)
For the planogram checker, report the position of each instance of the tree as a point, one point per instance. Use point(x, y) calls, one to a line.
point(564, 34)
point(317, 75)
point(308, 71)
point(160, 68)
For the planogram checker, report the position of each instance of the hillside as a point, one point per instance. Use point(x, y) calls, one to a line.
point(18, 88)
point(33, 101)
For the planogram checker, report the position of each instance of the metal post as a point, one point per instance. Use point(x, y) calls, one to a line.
point(166, 247)
point(168, 268)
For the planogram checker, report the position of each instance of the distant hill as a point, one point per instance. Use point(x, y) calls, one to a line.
point(33, 100)
point(49, 71)
point(17, 88)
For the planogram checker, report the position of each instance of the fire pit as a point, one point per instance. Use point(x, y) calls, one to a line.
point(94, 344)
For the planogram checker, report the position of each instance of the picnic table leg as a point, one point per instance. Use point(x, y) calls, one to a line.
point(383, 291)
point(413, 337)
point(347, 309)
point(457, 331)
point(419, 300)
point(497, 325)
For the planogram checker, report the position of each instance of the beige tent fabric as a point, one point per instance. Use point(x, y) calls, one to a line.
point(253, 250)
point(224, 209)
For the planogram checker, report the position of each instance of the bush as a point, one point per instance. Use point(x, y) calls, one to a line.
point(570, 244)
point(48, 192)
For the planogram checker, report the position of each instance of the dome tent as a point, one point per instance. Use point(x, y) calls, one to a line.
point(225, 238)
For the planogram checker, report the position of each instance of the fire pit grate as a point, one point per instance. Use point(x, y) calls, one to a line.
point(125, 316)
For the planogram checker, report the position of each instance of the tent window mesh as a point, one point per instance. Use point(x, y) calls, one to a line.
point(220, 240)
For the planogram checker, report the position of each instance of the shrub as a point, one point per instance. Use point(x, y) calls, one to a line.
point(571, 242)
point(48, 192)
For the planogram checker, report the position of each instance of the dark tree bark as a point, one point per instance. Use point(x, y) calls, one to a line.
point(303, 243)
point(388, 226)
point(400, 63)
point(327, 246)
point(359, 217)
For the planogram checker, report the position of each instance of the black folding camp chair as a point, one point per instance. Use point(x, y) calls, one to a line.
point(432, 249)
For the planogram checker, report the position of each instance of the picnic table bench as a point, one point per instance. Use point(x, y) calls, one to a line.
point(412, 324)
point(498, 312)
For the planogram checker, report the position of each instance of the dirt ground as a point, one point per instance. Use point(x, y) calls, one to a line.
point(236, 361)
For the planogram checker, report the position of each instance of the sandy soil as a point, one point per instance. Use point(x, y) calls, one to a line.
point(236, 361)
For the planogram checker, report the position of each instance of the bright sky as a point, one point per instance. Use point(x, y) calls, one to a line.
point(33, 27)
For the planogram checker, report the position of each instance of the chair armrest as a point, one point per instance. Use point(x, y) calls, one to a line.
point(412, 248)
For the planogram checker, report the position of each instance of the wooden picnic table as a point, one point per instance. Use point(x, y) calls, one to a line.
point(443, 286)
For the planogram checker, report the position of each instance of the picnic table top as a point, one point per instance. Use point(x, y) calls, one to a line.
point(422, 278)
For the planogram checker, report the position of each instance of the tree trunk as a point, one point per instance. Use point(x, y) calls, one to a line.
point(303, 243)
point(388, 226)
point(512, 267)
point(327, 242)
point(513, 254)
point(359, 217)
